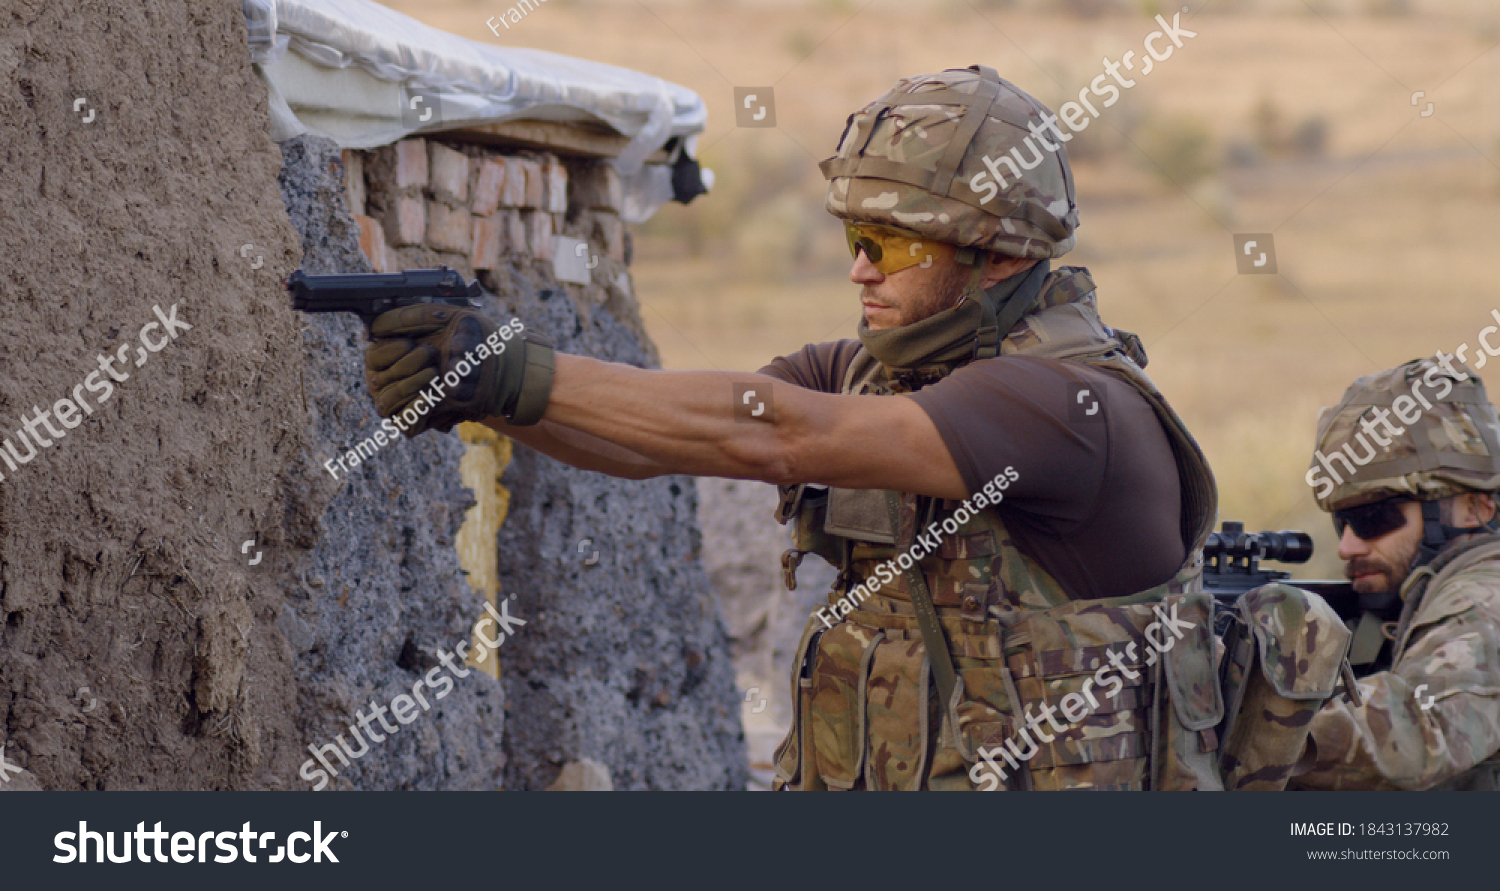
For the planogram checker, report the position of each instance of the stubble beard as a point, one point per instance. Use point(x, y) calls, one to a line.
point(943, 295)
point(1390, 576)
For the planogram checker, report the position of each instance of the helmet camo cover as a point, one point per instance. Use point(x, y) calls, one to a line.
point(1450, 448)
point(945, 156)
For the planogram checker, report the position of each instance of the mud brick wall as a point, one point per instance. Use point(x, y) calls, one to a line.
point(188, 599)
point(475, 202)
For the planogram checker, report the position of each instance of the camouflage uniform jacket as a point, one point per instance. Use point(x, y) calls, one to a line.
point(1433, 720)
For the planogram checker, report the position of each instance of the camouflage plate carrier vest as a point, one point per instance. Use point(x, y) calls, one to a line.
point(864, 717)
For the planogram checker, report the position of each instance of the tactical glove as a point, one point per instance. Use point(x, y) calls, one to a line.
point(423, 349)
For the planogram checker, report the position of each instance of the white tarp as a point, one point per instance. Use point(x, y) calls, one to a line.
point(364, 75)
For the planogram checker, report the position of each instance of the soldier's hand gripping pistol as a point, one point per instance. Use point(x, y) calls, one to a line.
point(434, 356)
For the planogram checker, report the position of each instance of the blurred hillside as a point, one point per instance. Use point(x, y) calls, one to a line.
point(1297, 119)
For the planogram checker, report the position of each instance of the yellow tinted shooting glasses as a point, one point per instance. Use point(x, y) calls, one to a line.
point(890, 251)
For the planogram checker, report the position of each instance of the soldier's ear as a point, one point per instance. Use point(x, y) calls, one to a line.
point(1484, 508)
point(999, 267)
point(1471, 509)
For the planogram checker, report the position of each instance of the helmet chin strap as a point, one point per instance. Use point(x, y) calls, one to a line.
point(1436, 535)
point(997, 320)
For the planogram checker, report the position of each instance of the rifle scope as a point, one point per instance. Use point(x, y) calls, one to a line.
point(1234, 544)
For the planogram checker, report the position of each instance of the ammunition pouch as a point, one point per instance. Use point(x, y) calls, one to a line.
point(1142, 718)
point(1185, 729)
point(1285, 652)
point(1141, 669)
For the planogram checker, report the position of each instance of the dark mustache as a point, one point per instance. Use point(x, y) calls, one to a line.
point(1365, 565)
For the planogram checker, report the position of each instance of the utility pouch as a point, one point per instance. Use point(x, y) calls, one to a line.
point(806, 508)
point(860, 514)
point(1185, 749)
point(790, 758)
point(1284, 654)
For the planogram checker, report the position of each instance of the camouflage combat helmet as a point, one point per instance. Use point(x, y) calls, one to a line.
point(946, 156)
point(1442, 433)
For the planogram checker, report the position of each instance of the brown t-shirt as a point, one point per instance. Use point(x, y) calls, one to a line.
point(1096, 500)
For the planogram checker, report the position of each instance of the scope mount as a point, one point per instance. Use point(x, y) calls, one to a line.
point(1232, 550)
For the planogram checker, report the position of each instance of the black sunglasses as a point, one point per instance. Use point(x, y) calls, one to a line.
point(1371, 521)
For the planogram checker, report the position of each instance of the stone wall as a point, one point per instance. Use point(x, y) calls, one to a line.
point(623, 662)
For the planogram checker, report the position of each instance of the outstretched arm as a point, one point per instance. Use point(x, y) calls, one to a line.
point(638, 423)
point(582, 450)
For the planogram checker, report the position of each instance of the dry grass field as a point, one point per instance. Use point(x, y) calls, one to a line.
point(1290, 118)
